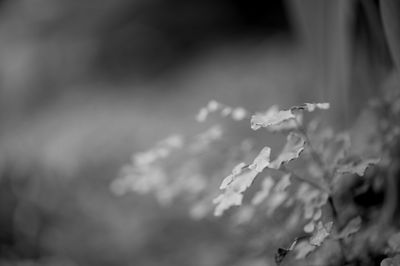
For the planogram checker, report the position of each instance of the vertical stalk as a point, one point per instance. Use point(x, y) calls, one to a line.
point(335, 216)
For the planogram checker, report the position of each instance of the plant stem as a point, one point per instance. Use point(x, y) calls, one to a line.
point(335, 217)
point(306, 180)
point(314, 154)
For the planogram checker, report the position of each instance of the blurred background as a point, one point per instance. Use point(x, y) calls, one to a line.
point(84, 84)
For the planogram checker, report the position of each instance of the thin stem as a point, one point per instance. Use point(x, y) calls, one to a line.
point(317, 158)
point(333, 208)
point(314, 154)
point(390, 201)
point(335, 217)
point(306, 180)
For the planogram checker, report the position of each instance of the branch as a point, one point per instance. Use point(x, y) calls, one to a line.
point(306, 180)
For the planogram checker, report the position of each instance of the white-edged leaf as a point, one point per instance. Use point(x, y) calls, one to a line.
point(278, 120)
point(262, 160)
point(243, 181)
point(235, 171)
point(287, 125)
point(238, 168)
point(233, 192)
point(226, 200)
point(321, 233)
point(272, 117)
point(312, 106)
point(303, 249)
point(358, 168)
point(292, 150)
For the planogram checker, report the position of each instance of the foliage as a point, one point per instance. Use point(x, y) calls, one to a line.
point(319, 184)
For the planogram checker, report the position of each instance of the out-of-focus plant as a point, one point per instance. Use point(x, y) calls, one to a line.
point(335, 194)
point(329, 196)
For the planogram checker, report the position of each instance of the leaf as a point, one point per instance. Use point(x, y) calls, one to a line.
point(321, 233)
point(358, 168)
point(172, 142)
point(283, 183)
point(225, 201)
point(213, 106)
point(239, 113)
point(303, 249)
point(394, 242)
point(280, 255)
point(272, 117)
point(235, 171)
point(143, 159)
point(226, 111)
point(352, 227)
point(161, 150)
point(233, 190)
point(202, 115)
point(317, 214)
point(277, 120)
point(199, 210)
point(292, 150)
point(244, 215)
point(287, 125)
point(395, 261)
point(266, 187)
point(313, 213)
point(308, 228)
point(204, 139)
point(311, 107)
point(242, 181)
point(336, 149)
point(275, 201)
point(262, 160)
point(387, 262)
point(282, 252)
